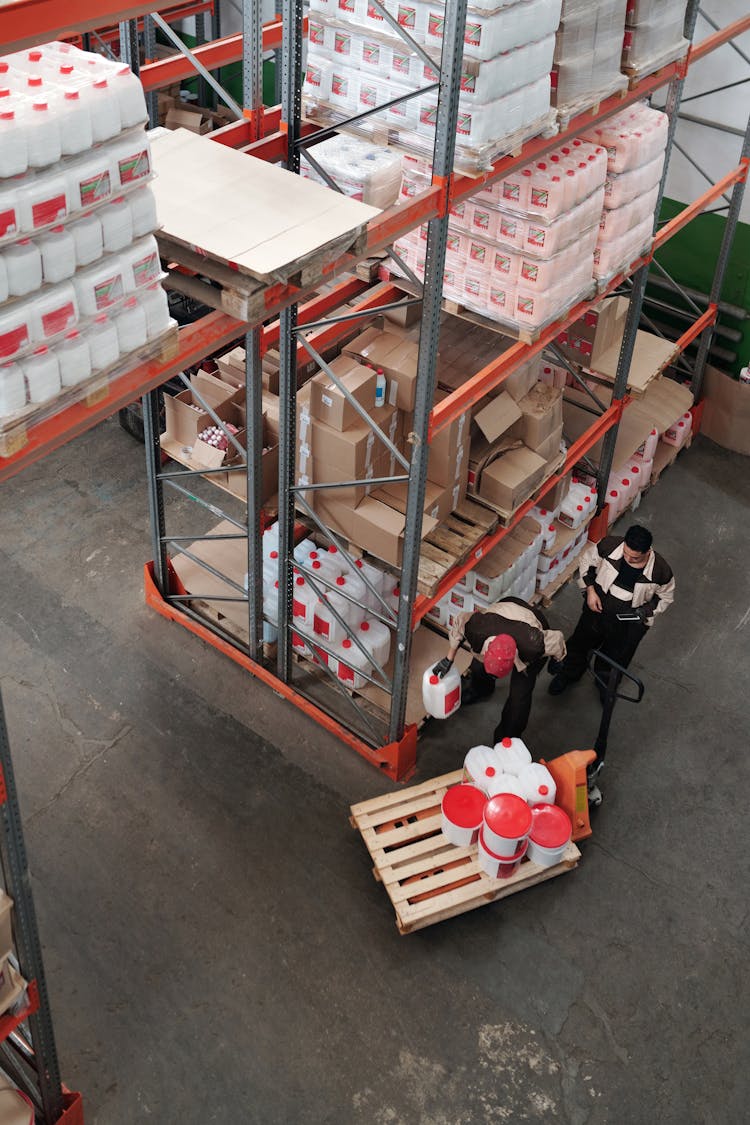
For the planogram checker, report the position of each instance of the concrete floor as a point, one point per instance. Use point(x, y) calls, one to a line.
point(216, 947)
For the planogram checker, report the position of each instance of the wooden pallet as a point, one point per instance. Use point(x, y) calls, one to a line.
point(451, 543)
point(664, 457)
point(426, 878)
point(656, 62)
point(592, 101)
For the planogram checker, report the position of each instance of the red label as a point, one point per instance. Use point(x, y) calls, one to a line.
point(8, 223)
point(315, 32)
point(502, 263)
point(368, 95)
point(482, 219)
point(96, 188)
point(539, 197)
point(321, 627)
point(530, 271)
point(477, 251)
point(498, 297)
point(536, 236)
point(48, 210)
point(345, 672)
point(58, 320)
point(371, 52)
point(406, 16)
point(508, 227)
point(12, 342)
point(299, 609)
point(511, 191)
point(452, 700)
point(342, 43)
point(135, 166)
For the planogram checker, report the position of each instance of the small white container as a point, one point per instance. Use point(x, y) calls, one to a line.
point(304, 602)
point(462, 811)
point(129, 93)
point(16, 328)
point(131, 327)
point(74, 359)
point(143, 211)
point(495, 865)
point(353, 611)
point(42, 375)
point(58, 250)
point(507, 823)
point(441, 696)
point(679, 431)
point(105, 111)
point(351, 664)
point(505, 783)
point(513, 755)
point(14, 149)
point(117, 224)
point(376, 577)
point(43, 133)
point(12, 389)
point(76, 133)
point(330, 568)
point(90, 181)
point(153, 301)
point(538, 784)
point(376, 637)
point(550, 835)
point(141, 264)
point(10, 211)
point(23, 265)
point(42, 202)
point(100, 286)
point(89, 243)
point(132, 159)
point(326, 624)
point(54, 311)
point(103, 342)
point(481, 766)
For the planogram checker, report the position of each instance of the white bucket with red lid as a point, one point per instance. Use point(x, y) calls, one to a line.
point(507, 823)
point(550, 834)
point(462, 811)
point(498, 866)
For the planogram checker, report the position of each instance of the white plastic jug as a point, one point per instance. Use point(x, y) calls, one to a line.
point(614, 502)
point(12, 389)
point(105, 111)
point(354, 611)
point(100, 286)
point(90, 180)
point(441, 696)
point(304, 602)
point(648, 448)
point(330, 568)
point(14, 149)
point(153, 300)
point(131, 327)
point(42, 375)
point(42, 202)
point(74, 358)
point(143, 211)
point(481, 766)
point(11, 216)
point(58, 250)
point(54, 311)
point(16, 328)
point(505, 783)
point(103, 342)
point(325, 622)
point(376, 577)
point(76, 131)
point(376, 637)
point(538, 784)
point(117, 224)
point(513, 755)
point(23, 264)
point(43, 134)
point(87, 235)
point(129, 93)
point(679, 431)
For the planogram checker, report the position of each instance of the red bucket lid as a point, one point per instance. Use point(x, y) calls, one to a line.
point(551, 827)
point(508, 815)
point(463, 806)
point(518, 854)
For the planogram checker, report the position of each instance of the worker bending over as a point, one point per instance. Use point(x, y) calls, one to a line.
point(508, 637)
point(626, 586)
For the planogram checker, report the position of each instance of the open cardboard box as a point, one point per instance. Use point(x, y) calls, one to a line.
point(511, 477)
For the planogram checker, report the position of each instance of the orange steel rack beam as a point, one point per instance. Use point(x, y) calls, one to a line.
point(219, 52)
point(171, 15)
point(24, 23)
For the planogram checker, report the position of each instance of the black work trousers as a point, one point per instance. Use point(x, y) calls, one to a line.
point(616, 639)
point(515, 713)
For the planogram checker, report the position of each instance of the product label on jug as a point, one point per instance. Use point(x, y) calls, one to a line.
point(401, 62)
point(374, 14)
point(526, 305)
point(108, 291)
point(368, 95)
point(8, 223)
point(146, 269)
point(12, 342)
point(322, 628)
point(468, 83)
point(453, 243)
point(502, 263)
point(435, 25)
point(536, 236)
point(314, 75)
point(428, 115)
point(463, 124)
point(529, 271)
point(498, 298)
point(315, 32)
point(452, 700)
point(478, 251)
point(346, 673)
point(511, 191)
point(48, 210)
point(58, 319)
point(473, 34)
point(482, 219)
point(135, 166)
point(407, 16)
point(342, 43)
point(508, 227)
point(472, 287)
point(95, 188)
point(371, 52)
point(539, 197)
point(339, 85)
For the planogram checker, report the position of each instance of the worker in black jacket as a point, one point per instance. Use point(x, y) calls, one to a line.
point(508, 637)
point(626, 586)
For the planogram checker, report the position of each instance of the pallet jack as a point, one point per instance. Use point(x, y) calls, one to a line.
point(577, 773)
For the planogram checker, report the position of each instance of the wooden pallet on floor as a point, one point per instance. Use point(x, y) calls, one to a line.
point(427, 879)
point(451, 543)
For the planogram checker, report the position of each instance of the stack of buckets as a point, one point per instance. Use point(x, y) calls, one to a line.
point(506, 806)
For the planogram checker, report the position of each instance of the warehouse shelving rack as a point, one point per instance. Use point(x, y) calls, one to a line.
point(276, 134)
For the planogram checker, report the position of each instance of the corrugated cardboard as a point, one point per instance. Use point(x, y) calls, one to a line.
point(511, 478)
point(498, 416)
point(183, 422)
point(396, 356)
point(651, 355)
point(6, 929)
point(352, 450)
point(325, 471)
point(330, 405)
point(587, 339)
point(549, 449)
point(726, 415)
point(438, 500)
point(187, 119)
point(379, 529)
point(541, 409)
point(336, 515)
point(270, 404)
point(212, 390)
point(449, 450)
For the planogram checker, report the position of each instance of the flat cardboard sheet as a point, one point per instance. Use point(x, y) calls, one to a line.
point(243, 211)
point(650, 356)
point(726, 416)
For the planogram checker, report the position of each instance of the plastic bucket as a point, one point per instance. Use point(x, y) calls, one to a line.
point(462, 812)
point(550, 835)
point(507, 823)
point(498, 866)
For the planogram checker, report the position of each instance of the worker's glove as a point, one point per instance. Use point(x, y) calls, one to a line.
point(644, 613)
point(443, 667)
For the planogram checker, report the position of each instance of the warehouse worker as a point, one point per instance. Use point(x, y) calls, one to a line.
point(510, 637)
point(626, 586)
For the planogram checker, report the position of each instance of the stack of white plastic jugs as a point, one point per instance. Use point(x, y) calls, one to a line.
point(80, 287)
point(521, 251)
point(335, 604)
point(560, 550)
point(635, 140)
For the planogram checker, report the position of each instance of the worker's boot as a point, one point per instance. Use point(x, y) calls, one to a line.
point(558, 684)
point(470, 693)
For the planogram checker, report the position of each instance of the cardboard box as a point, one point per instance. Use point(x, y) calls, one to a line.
point(336, 514)
point(11, 985)
point(587, 339)
point(379, 529)
point(325, 471)
point(185, 417)
point(511, 478)
point(449, 450)
point(396, 356)
point(214, 391)
point(549, 449)
point(404, 317)
point(330, 405)
point(237, 481)
point(726, 415)
point(438, 499)
point(205, 456)
point(6, 928)
point(498, 417)
point(195, 122)
point(541, 411)
point(352, 450)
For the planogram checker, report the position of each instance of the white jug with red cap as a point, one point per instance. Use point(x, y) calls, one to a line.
point(513, 755)
point(441, 695)
point(537, 783)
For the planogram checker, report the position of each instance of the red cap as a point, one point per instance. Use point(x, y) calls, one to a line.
point(101, 84)
point(3, 67)
point(300, 581)
point(365, 626)
point(508, 815)
point(625, 481)
point(507, 742)
point(501, 652)
point(347, 643)
point(66, 69)
point(434, 679)
point(34, 56)
point(543, 789)
point(340, 580)
point(7, 116)
point(72, 335)
point(40, 106)
point(315, 565)
point(35, 80)
point(313, 555)
point(490, 771)
point(71, 95)
point(358, 563)
point(41, 350)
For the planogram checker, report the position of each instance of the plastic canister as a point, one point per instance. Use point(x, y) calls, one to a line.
point(117, 224)
point(143, 210)
point(325, 622)
point(513, 755)
point(100, 286)
point(105, 111)
point(330, 568)
point(441, 697)
point(304, 602)
point(42, 134)
point(14, 149)
point(129, 92)
point(538, 784)
point(679, 431)
point(153, 300)
point(12, 389)
point(74, 358)
point(376, 577)
point(351, 664)
point(54, 311)
point(23, 264)
point(354, 611)
point(505, 783)
point(15, 328)
point(271, 614)
point(90, 181)
point(87, 235)
point(131, 326)
point(141, 263)
point(507, 823)
point(42, 202)
point(58, 250)
point(481, 766)
point(648, 448)
point(42, 375)
point(10, 212)
point(550, 835)
point(103, 343)
point(76, 133)
point(495, 865)
point(376, 637)
point(462, 810)
point(132, 157)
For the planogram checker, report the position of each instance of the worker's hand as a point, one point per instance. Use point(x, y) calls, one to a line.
point(443, 667)
point(593, 601)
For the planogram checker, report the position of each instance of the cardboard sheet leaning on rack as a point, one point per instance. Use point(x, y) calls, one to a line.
point(243, 215)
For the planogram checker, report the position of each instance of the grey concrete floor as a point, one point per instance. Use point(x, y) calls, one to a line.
point(216, 947)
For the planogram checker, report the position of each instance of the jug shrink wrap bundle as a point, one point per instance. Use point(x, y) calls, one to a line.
point(549, 187)
point(618, 221)
point(629, 186)
point(588, 51)
point(363, 171)
point(654, 33)
point(632, 138)
point(620, 253)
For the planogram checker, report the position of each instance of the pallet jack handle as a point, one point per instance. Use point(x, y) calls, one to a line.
point(610, 687)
